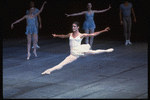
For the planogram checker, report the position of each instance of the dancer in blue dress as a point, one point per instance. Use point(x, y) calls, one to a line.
point(30, 29)
point(37, 19)
point(89, 24)
point(76, 48)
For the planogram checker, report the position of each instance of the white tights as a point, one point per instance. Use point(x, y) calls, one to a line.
point(72, 58)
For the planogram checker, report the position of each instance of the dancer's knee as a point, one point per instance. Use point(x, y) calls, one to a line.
point(29, 42)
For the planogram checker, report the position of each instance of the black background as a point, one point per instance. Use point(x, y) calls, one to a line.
point(54, 19)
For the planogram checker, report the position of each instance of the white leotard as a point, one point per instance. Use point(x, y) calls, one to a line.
point(74, 42)
point(76, 48)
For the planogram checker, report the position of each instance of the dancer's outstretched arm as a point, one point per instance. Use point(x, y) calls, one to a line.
point(75, 14)
point(61, 36)
point(101, 11)
point(95, 33)
point(12, 25)
point(40, 9)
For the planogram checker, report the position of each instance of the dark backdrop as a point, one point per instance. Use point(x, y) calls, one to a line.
point(54, 19)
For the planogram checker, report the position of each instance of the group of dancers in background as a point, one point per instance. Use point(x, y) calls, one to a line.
point(75, 37)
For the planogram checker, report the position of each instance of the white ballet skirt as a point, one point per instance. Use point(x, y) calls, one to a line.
point(76, 48)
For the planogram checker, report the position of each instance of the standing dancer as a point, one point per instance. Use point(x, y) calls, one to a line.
point(76, 48)
point(31, 28)
point(126, 9)
point(34, 11)
point(89, 24)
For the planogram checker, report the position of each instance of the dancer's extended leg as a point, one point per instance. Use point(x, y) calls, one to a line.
point(93, 52)
point(66, 61)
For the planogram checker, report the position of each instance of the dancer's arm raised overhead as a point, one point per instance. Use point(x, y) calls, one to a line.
point(61, 36)
point(40, 9)
point(75, 14)
point(95, 33)
point(101, 11)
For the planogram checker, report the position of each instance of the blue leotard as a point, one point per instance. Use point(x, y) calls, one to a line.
point(36, 18)
point(31, 26)
point(89, 22)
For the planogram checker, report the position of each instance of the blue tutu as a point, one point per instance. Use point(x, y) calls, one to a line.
point(31, 30)
point(89, 22)
point(31, 26)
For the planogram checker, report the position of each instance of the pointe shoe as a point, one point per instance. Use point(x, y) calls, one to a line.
point(28, 57)
point(36, 46)
point(126, 42)
point(35, 53)
point(46, 72)
point(129, 42)
point(110, 50)
point(32, 47)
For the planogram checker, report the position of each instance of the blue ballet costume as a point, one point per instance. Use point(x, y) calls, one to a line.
point(36, 18)
point(31, 26)
point(89, 22)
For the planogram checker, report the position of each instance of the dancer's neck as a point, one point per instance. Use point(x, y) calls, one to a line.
point(76, 33)
point(126, 4)
point(89, 10)
point(32, 7)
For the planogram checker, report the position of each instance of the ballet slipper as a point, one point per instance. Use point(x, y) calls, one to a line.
point(110, 50)
point(28, 57)
point(35, 53)
point(47, 72)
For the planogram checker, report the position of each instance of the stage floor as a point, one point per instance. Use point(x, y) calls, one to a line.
point(120, 74)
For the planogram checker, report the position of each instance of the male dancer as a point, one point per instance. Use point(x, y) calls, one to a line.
point(126, 9)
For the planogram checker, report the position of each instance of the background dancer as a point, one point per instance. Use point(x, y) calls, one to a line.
point(76, 48)
point(30, 29)
point(89, 24)
point(34, 11)
point(126, 9)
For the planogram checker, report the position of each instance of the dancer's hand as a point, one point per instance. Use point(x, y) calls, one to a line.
point(134, 19)
point(107, 28)
point(67, 15)
point(121, 22)
point(54, 35)
point(45, 2)
point(12, 26)
point(40, 26)
point(109, 6)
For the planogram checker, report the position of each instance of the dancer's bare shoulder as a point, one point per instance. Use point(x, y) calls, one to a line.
point(82, 35)
point(69, 34)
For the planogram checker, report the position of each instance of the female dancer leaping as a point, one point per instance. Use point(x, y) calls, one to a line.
point(89, 24)
point(76, 48)
point(31, 28)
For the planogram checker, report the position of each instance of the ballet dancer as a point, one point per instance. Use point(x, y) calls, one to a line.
point(126, 9)
point(34, 11)
point(89, 24)
point(30, 29)
point(76, 48)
